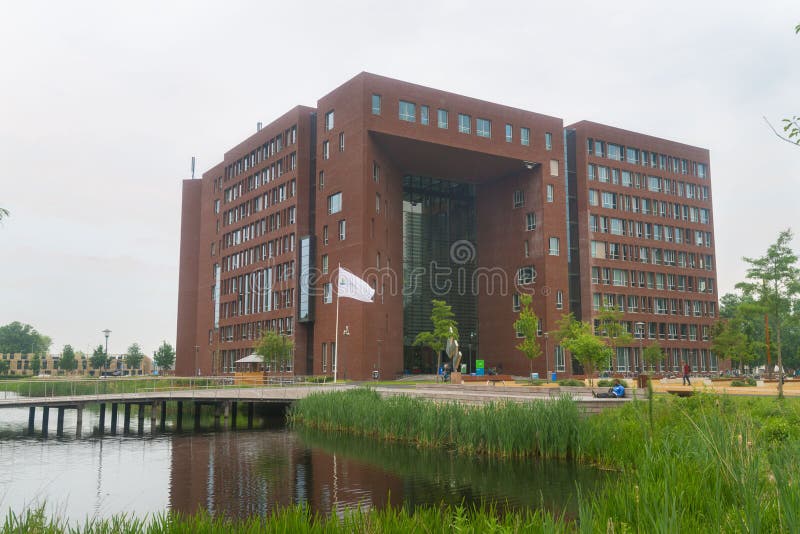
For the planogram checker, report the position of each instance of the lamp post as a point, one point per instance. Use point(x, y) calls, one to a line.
point(196, 369)
point(106, 332)
point(471, 340)
point(546, 359)
point(640, 330)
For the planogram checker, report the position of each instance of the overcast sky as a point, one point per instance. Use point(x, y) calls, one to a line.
point(102, 105)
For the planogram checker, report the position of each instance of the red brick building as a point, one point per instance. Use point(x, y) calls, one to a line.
point(423, 193)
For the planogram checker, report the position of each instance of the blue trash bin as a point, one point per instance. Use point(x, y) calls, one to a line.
point(553, 376)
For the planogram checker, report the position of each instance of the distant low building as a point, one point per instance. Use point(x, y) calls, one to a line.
point(20, 365)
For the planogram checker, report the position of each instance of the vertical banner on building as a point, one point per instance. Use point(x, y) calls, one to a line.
point(304, 308)
point(216, 294)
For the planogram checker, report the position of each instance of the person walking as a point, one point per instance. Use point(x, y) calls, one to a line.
point(686, 372)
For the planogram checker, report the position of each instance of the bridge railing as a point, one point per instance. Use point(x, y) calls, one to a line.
point(73, 387)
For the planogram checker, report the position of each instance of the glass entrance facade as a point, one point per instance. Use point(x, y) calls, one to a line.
point(439, 260)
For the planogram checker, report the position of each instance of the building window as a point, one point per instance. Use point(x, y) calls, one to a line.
point(519, 198)
point(324, 357)
point(525, 136)
point(376, 104)
point(377, 202)
point(464, 123)
point(525, 275)
point(554, 246)
point(515, 302)
point(483, 128)
point(550, 192)
point(321, 180)
point(530, 221)
point(324, 235)
point(526, 248)
point(442, 117)
point(342, 230)
point(424, 115)
point(327, 293)
point(329, 121)
point(341, 141)
point(559, 300)
point(553, 167)
point(559, 359)
point(376, 172)
point(324, 264)
point(509, 133)
point(548, 141)
point(334, 203)
point(408, 111)
point(326, 149)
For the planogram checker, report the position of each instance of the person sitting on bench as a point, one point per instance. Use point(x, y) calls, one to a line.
point(615, 392)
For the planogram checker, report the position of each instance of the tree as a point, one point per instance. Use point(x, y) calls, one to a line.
point(775, 282)
point(36, 364)
point(276, 348)
point(165, 356)
point(652, 354)
point(23, 338)
point(612, 330)
point(5, 365)
point(444, 327)
point(729, 341)
point(576, 336)
point(528, 325)
point(134, 356)
point(98, 358)
point(68, 361)
point(4, 213)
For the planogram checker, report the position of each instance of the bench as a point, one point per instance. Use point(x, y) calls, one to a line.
point(489, 379)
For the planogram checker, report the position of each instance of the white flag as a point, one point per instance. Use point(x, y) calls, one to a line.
point(354, 287)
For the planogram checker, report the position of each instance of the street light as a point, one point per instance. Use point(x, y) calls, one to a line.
point(471, 339)
point(640, 328)
point(196, 369)
point(105, 363)
point(546, 359)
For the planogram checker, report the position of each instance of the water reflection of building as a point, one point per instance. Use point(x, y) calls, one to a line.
point(252, 473)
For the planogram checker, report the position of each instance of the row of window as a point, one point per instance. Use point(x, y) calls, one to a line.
point(267, 224)
point(407, 111)
point(259, 303)
point(266, 151)
point(654, 305)
point(252, 330)
point(519, 197)
point(272, 197)
point(643, 230)
point(700, 360)
point(258, 281)
point(264, 251)
point(647, 206)
point(268, 174)
point(637, 253)
point(635, 156)
point(651, 280)
point(656, 184)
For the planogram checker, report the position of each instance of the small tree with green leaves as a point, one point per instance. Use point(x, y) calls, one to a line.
point(275, 348)
point(165, 356)
point(36, 364)
point(652, 355)
point(576, 337)
point(730, 342)
point(4, 213)
point(775, 281)
point(611, 328)
point(444, 327)
point(134, 357)
point(98, 358)
point(5, 365)
point(67, 361)
point(527, 324)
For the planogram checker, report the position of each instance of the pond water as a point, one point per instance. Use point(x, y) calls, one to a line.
point(251, 472)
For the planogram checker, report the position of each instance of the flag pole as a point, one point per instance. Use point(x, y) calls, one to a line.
point(336, 343)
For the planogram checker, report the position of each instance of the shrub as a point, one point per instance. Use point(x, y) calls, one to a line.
point(571, 382)
point(747, 382)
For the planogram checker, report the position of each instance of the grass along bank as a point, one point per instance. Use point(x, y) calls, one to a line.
point(698, 464)
point(538, 428)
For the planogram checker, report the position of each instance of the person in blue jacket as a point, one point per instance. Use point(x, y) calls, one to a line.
point(615, 392)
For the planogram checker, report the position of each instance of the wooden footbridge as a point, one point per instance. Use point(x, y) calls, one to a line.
point(225, 401)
